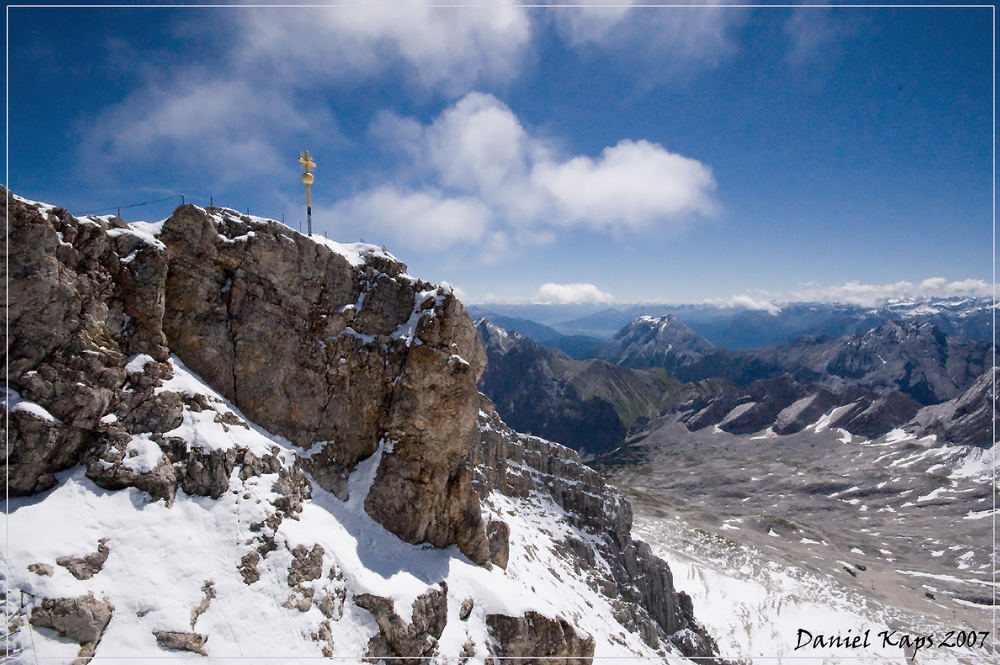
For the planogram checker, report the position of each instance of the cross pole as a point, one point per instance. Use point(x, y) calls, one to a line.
point(307, 178)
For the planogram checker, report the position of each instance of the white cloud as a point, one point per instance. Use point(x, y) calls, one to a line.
point(672, 38)
point(222, 128)
point(425, 220)
point(870, 295)
point(633, 184)
point(552, 293)
point(478, 149)
point(746, 302)
point(444, 47)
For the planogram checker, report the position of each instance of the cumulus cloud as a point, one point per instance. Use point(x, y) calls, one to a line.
point(425, 220)
point(478, 149)
point(449, 48)
point(870, 295)
point(553, 293)
point(634, 183)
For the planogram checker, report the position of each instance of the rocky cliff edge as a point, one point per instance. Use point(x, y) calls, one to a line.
point(316, 392)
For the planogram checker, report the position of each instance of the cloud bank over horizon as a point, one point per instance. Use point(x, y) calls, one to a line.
point(850, 293)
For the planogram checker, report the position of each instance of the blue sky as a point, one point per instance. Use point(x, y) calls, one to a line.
point(541, 154)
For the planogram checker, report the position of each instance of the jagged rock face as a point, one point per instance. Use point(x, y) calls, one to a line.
point(803, 412)
point(536, 639)
point(315, 344)
point(407, 643)
point(76, 311)
point(914, 358)
point(967, 419)
point(322, 353)
point(639, 584)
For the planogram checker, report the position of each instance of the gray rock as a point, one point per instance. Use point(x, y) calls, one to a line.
point(409, 643)
point(82, 619)
point(83, 568)
point(535, 639)
point(208, 589)
point(499, 534)
point(41, 569)
point(306, 564)
point(76, 312)
point(466, 609)
point(180, 641)
point(248, 567)
point(636, 581)
point(250, 326)
point(965, 420)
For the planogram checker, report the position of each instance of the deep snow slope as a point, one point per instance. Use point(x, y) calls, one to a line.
point(162, 559)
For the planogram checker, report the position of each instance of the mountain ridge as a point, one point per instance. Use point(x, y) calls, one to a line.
point(373, 505)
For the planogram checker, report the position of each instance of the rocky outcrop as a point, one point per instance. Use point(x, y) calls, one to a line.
point(83, 568)
point(182, 641)
point(637, 583)
point(407, 643)
point(344, 349)
point(534, 639)
point(344, 358)
point(82, 619)
point(78, 307)
point(871, 416)
point(341, 354)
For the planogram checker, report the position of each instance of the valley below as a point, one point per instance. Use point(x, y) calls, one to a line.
point(887, 539)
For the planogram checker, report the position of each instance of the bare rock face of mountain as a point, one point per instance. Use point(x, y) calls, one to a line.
point(638, 583)
point(663, 341)
point(77, 310)
point(361, 382)
point(967, 419)
point(588, 405)
point(914, 358)
point(345, 349)
point(911, 357)
point(533, 635)
point(411, 642)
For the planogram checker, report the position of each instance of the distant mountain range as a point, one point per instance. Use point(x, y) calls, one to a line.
point(737, 328)
point(903, 370)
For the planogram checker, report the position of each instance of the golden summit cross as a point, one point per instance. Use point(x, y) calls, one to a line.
point(307, 179)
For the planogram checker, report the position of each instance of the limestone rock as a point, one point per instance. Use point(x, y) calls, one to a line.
point(208, 589)
point(637, 581)
point(499, 533)
point(409, 643)
point(331, 351)
point(82, 619)
point(83, 568)
point(43, 569)
point(535, 639)
point(84, 295)
point(181, 641)
point(306, 564)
